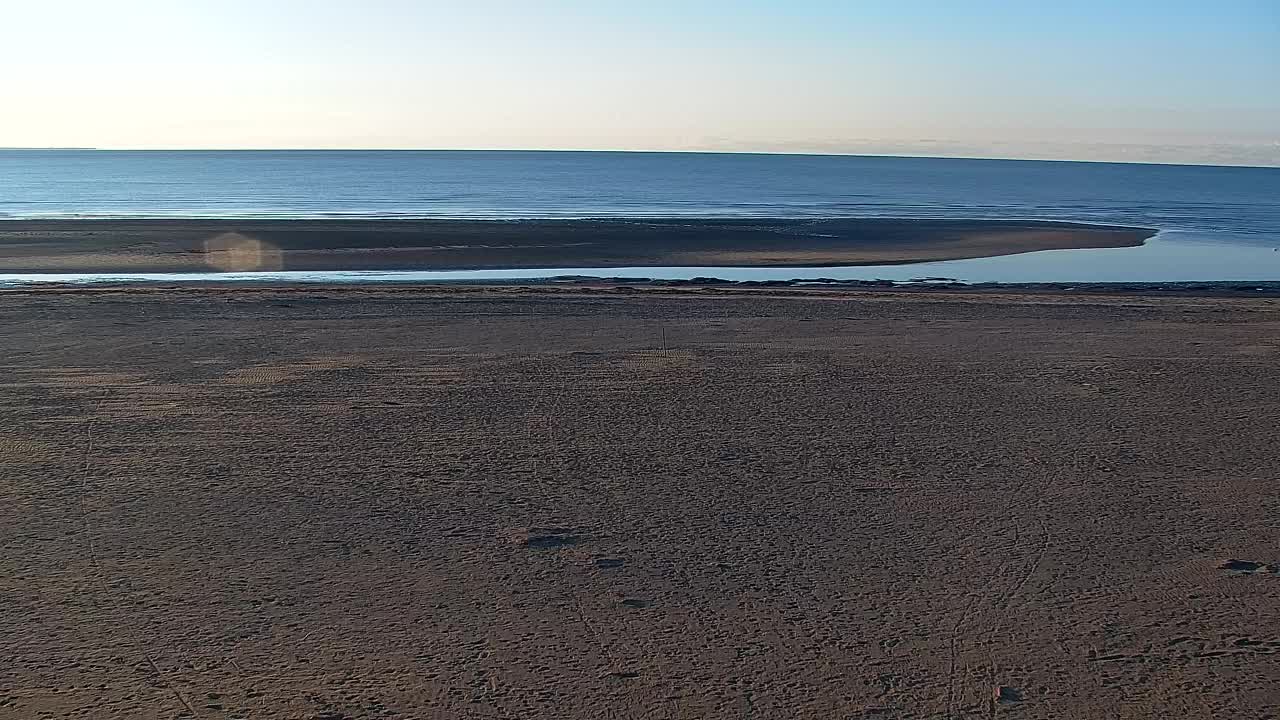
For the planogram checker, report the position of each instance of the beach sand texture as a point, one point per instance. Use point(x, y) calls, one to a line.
point(586, 503)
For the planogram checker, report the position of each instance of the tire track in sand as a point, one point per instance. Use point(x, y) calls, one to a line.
point(86, 469)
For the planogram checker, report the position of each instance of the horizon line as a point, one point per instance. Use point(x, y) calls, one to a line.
point(635, 151)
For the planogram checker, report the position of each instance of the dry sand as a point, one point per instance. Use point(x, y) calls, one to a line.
point(576, 503)
point(203, 245)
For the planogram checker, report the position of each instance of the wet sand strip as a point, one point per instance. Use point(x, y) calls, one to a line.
point(198, 245)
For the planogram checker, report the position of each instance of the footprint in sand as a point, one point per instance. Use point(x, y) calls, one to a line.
point(546, 538)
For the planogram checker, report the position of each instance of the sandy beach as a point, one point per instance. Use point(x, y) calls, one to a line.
point(204, 245)
point(419, 502)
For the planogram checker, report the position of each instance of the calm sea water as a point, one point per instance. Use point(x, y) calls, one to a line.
point(1200, 209)
point(60, 183)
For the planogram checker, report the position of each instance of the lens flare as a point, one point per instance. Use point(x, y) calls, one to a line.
point(233, 252)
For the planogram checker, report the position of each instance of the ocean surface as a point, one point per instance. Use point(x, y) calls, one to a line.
point(1215, 222)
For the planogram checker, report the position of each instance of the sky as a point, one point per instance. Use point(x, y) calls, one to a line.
point(1141, 80)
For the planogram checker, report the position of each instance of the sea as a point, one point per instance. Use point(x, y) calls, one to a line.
point(1216, 223)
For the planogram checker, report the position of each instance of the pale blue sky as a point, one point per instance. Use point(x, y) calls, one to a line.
point(1142, 79)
